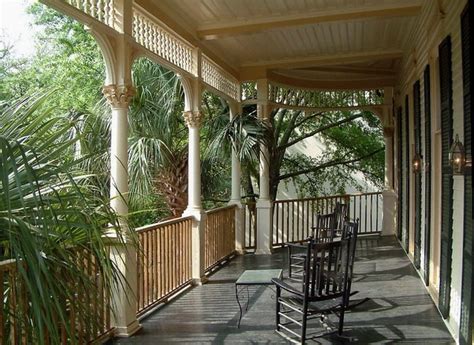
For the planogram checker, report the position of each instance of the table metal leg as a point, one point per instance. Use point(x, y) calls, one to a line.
point(248, 299)
point(240, 306)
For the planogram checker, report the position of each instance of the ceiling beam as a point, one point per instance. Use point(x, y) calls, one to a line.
point(352, 70)
point(349, 84)
point(325, 60)
point(216, 31)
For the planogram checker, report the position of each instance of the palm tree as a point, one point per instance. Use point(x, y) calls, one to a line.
point(244, 133)
point(158, 155)
point(53, 222)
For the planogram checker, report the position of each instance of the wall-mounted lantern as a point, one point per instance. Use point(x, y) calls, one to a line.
point(457, 157)
point(416, 163)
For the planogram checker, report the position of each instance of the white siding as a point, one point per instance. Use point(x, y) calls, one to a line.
point(424, 40)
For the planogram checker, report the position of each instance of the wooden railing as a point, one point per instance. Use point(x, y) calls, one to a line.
point(368, 208)
point(164, 261)
point(250, 224)
point(292, 219)
point(89, 314)
point(219, 235)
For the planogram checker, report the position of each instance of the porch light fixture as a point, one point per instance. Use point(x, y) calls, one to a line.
point(416, 163)
point(457, 157)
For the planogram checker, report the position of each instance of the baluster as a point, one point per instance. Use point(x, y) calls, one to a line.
point(91, 8)
point(111, 12)
point(365, 218)
point(174, 51)
point(359, 197)
point(100, 10)
point(140, 29)
point(145, 34)
point(169, 50)
point(166, 46)
point(106, 9)
point(377, 213)
point(371, 214)
point(159, 40)
point(150, 36)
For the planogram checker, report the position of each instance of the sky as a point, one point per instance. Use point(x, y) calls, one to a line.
point(15, 26)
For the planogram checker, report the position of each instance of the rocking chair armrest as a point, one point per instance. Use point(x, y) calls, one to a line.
point(296, 245)
point(281, 284)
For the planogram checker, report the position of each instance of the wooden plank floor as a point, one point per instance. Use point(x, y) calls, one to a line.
point(400, 310)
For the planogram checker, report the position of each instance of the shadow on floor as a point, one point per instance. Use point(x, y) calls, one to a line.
point(399, 311)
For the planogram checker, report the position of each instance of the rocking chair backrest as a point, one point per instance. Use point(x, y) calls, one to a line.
point(331, 268)
point(351, 229)
point(324, 230)
point(342, 214)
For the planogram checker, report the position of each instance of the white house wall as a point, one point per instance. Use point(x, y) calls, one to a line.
point(313, 147)
point(432, 28)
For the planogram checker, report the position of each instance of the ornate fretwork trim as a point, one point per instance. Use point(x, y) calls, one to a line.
point(118, 96)
point(192, 118)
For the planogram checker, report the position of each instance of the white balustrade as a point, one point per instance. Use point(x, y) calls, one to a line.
point(214, 76)
point(102, 10)
point(161, 42)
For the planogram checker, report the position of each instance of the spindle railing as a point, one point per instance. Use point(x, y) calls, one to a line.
point(219, 235)
point(164, 261)
point(293, 219)
point(88, 314)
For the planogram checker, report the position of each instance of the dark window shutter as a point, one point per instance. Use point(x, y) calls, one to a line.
point(446, 97)
point(427, 160)
point(417, 114)
point(400, 174)
point(467, 301)
point(407, 174)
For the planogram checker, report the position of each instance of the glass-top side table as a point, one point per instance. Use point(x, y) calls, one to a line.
point(254, 277)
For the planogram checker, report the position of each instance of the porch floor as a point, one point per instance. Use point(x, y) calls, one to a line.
point(400, 309)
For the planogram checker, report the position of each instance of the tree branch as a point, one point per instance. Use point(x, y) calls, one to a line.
point(307, 118)
point(316, 131)
point(364, 171)
point(280, 114)
point(289, 129)
point(328, 165)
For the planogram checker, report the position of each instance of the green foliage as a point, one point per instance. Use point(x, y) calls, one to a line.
point(69, 59)
point(49, 212)
point(66, 57)
point(352, 143)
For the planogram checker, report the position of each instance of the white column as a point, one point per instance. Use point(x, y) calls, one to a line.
point(389, 195)
point(194, 209)
point(124, 255)
point(236, 175)
point(193, 121)
point(235, 198)
point(388, 137)
point(264, 230)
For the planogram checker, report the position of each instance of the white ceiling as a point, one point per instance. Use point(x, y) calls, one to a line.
point(360, 39)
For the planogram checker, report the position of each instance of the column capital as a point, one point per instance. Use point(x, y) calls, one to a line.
point(118, 96)
point(193, 118)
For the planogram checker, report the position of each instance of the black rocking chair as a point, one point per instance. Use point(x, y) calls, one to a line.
point(323, 231)
point(326, 290)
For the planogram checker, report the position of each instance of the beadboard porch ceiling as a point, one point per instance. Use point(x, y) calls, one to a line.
point(305, 42)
